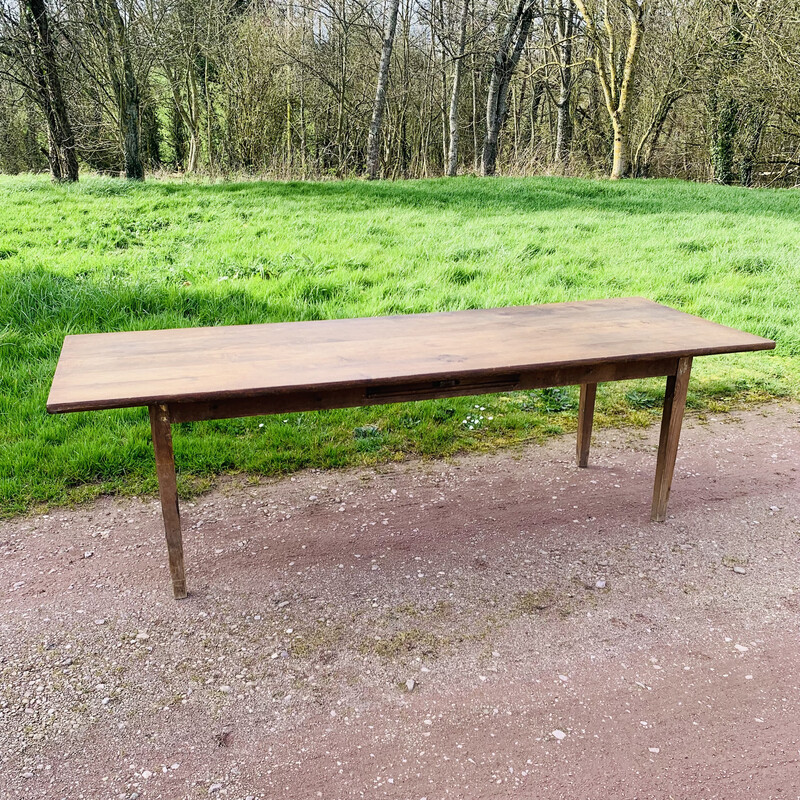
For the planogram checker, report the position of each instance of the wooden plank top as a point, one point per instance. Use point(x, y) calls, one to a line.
point(119, 370)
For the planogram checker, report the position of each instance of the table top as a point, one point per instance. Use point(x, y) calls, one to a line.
point(119, 370)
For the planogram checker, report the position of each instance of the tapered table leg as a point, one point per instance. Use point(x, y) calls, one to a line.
point(585, 420)
point(674, 405)
point(168, 491)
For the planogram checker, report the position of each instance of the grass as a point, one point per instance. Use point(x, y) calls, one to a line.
point(106, 255)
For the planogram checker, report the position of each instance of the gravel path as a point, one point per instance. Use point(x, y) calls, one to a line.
point(497, 626)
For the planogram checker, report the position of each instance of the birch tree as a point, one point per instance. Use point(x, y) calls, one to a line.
point(458, 64)
point(374, 141)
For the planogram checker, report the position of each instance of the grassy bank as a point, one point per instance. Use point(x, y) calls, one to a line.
point(105, 255)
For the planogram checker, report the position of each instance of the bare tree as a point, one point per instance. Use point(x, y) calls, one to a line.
point(506, 58)
point(28, 43)
point(565, 31)
point(609, 33)
point(374, 142)
point(728, 104)
point(124, 83)
point(458, 63)
point(304, 88)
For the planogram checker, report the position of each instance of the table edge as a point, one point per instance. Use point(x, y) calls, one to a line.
point(149, 400)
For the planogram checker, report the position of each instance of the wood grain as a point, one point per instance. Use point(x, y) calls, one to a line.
point(117, 370)
point(585, 422)
point(317, 398)
point(671, 419)
point(168, 492)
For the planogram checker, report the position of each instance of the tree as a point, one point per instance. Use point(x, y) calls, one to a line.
point(565, 32)
point(610, 28)
point(374, 142)
point(506, 58)
point(669, 69)
point(730, 103)
point(29, 44)
point(124, 83)
point(336, 87)
point(458, 63)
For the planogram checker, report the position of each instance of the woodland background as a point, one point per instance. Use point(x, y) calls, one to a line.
point(699, 89)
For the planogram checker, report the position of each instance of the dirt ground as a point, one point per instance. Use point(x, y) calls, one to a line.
point(498, 626)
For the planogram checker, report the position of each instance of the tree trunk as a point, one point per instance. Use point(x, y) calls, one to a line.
point(374, 141)
point(61, 141)
point(565, 24)
point(452, 154)
point(723, 135)
point(443, 78)
point(616, 88)
point(126, 87)
point(505, 61)
point(723, 105)
point(563, 129)
point(619, 168)
point(189, 114)
point(755, 119)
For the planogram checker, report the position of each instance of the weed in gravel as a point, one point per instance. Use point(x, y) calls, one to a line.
point(410, 642)
point(539, 600)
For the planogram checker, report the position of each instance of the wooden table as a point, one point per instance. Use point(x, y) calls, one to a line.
point(192, 374)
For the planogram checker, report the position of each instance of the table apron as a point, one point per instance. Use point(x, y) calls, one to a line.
point(315, 399)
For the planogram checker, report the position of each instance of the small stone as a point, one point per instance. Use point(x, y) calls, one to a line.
point(560, 735)
point(741, 648)
point(410, 684)
point(740, 570)
point(284, 654)
point(88, 554)
point(225, 689)
point(601, 584)
point(283, 604)
point(99, 622)
point(563, 678)
point(214, 788)
point(142, 636)
point(654, 749)
point(147, 774)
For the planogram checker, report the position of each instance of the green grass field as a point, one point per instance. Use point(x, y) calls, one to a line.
point(106, 255)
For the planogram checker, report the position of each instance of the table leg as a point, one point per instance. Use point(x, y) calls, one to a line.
point(168, 490)
point(585, 420)
point(672, 417)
